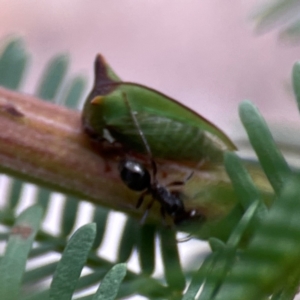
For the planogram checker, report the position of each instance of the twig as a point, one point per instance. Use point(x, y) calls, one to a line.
point(43, 143)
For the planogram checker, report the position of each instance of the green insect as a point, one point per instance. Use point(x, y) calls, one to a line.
point(173, 131)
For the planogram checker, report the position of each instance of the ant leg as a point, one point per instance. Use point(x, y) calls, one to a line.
point(141, 134)
point(154, 169)
point(178, 183)
point(141, 199)
point(189, 177)
point(146, 213)
point(137, 125)
point(163, 214)
point(185, 239)
point(175, 183)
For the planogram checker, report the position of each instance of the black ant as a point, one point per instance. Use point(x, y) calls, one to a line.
point(138, 178)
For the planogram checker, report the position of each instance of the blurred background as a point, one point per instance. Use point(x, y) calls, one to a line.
point(206, 54)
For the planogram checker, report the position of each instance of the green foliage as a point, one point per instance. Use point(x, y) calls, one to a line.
point(296, 82)
point(282, 13)
point(71, 263)
point(267, 264)
point(259, 260)
point(111, 282)
point(12, 265)
point(12, 64)
point(270, 158)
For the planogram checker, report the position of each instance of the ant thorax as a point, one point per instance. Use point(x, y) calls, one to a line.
point(169, 200)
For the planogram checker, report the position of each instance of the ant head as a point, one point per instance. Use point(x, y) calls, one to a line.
point(134, 175)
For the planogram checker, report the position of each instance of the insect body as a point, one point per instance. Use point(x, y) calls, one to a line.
point(138, 178)
point(173, 131)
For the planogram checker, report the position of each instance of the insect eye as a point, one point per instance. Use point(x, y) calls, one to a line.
point(134, 175)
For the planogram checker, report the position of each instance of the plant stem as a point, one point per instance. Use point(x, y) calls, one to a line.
point(43, 143)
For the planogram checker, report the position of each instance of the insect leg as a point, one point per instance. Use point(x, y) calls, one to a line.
point(178, 183)
point(154, 169)
point(163, 214)
point(175, 183)
point(146, 213)
point(136, 123)
point(141, 134)
point(141, 199)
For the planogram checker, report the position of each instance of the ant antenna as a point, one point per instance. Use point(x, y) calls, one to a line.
point(138, 127)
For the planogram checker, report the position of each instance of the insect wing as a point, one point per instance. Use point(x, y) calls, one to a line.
point(175, 136)
point(167, 139)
